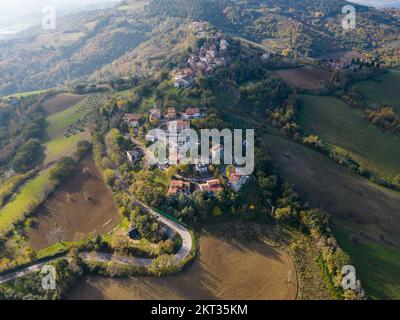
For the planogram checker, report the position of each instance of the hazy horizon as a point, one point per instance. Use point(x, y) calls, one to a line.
point(378, 3)
point(17, 15)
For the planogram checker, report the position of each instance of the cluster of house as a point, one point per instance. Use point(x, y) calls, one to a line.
point(340, 64)
point(134, 120)
point(174, 125)
point(210, 186)
point(212, 54)
point(344, 63)
point(199, 28)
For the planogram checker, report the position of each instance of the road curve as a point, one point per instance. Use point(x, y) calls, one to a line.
point(183, 252)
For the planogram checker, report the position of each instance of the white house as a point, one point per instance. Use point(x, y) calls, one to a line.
point(236, 182)
point(265, 57)
point(132, 120)
point(192, 113)
point(223, 45)
point(178, 125)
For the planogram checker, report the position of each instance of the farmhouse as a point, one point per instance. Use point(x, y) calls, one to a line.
point(192, 113)
point(211, 186)
point(132, 120)
point(236, 182)
point(170, 114)
point(185, 78)
point(177, 126)
point(265, 57)
point(155, 115)
point(223, 45)
point(178, 186)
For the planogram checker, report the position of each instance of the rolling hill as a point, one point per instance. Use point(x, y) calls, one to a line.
point(125, 40)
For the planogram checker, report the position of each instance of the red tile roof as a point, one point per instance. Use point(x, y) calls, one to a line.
point(132, 117)
point(192, 111)
point(177, 186)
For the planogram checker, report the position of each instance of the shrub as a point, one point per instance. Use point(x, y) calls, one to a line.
point(62, 169)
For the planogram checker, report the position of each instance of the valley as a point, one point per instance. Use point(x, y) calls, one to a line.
point(79, 108)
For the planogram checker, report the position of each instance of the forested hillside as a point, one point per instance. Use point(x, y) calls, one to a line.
point(107, 44)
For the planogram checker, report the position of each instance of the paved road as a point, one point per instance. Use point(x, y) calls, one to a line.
point(187, 243)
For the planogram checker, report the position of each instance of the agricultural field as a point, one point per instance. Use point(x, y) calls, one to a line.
point(29, 195)
point(380, 266)
point(347, 128)
point(10, 185)
point(60, 102)
point(345, 56)
point(382, 90)
point(309, 78)
point(225, 269)
point(61, 121)
point(26, 94)
point(365, 214)
point(61, 146)
point(81, 207)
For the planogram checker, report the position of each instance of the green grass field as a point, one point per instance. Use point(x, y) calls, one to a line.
point(347, 128)
point(355, 205)
point(60, 146)
point(26, 94)
point(30, 193)
point(382, 90)
point(59, 122)
point(379, 265)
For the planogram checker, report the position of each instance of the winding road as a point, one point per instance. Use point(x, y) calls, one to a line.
point(183, 252)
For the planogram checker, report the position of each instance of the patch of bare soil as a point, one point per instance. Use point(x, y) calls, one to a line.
point(60, 102)
point(82, 206)
point(306, 77)
point(224, 269)
point(345, 56)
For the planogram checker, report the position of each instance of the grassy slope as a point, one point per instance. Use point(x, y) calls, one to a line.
point(59, 122)
point(342, 126)
point(376, 263)
point(355, 205)
point(59, 146)
point(382, 90)
point(30, 193)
